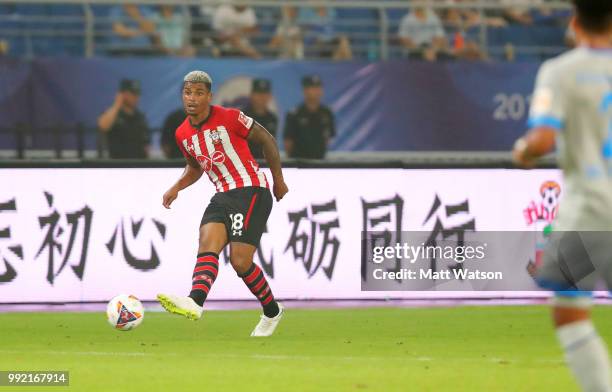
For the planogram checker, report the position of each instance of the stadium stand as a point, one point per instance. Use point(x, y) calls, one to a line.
point(47, 43)
point(66, 29)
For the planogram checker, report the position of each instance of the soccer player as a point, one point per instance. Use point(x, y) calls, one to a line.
point(572, 107)
point(214, 140)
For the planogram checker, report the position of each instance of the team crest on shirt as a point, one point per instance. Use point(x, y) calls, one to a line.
point(189, 147)
point(214, 136)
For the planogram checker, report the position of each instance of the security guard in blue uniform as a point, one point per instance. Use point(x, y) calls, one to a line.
point(310, 126)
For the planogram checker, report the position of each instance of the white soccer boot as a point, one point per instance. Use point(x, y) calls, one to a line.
point(267, 325)
point(184, 306)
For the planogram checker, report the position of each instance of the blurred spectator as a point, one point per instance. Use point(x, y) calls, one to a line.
point(310, 126)
point(172, 28)
point(233, 25)
point(319, 24)
point(202, 32)
point(4, 47)
point(125, 125)
point(462, 24)
point(544, 14)
point(288, 40)
point(517, 14)
point(465, 19)
point(422, 36)
point(258, 109)
point(168, 139)
point(133, 30)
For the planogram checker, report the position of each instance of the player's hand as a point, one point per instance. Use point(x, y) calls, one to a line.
point(118, 100)
point(170, 195)
point(519, 160)
point(279, 189)
point(520, 157)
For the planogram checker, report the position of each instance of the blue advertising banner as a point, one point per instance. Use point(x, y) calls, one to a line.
point(383, 106)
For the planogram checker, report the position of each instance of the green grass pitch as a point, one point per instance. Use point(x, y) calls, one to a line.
point(511, 348)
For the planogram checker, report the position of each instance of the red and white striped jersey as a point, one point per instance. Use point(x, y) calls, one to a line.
point(219, 145)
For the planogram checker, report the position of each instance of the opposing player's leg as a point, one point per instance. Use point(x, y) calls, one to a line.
point(573, 262)
point(241, 257)
point(585, 352)
point(213, 238)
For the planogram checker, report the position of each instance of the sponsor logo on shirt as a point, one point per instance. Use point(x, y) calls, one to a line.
point(245, 120)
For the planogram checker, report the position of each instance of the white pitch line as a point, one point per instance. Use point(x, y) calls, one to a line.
point(86, 353)
point(285, 357)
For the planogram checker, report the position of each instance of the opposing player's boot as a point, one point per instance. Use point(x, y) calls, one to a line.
point(267, 325)
point(184, 306)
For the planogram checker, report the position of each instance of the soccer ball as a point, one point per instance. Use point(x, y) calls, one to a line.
point(125, 312)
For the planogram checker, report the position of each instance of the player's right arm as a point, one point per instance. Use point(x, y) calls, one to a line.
point(192, 173)
point(546, 118)
point(107, 119)
point(261, 136)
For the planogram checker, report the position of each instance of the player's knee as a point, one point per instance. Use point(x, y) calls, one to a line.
point(207, 245)
point(567, 310)
point(211, 239)
point(240, 262)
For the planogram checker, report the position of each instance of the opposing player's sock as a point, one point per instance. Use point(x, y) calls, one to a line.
point(204, 275)
point(587, 355)
point(257, 283)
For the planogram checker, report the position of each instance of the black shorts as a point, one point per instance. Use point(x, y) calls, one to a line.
point(243, 211)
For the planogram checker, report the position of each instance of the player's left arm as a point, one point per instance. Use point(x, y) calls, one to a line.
point(261, 136)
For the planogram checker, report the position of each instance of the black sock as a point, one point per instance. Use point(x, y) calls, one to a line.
point(204, 275)
point(271, 310)
point(198, 297)
point(257, 283)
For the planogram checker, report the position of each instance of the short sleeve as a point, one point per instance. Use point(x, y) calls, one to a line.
point(240, 123)
point(438, 28)
point(273, 125)
point(219, 19)
point(547, 103)
point(146, 130)
point(167, 132)
point(404, 28)
point(289, 131)
point(332, 130)
point(251, 19)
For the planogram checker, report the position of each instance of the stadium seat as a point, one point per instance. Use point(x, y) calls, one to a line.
point(66, 9)
point(17, 46)
point(7, 9)
point(101, 11)
point(396, 14)
point(31, 9)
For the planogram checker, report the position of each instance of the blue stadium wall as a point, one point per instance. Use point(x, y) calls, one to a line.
point(382, 106)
